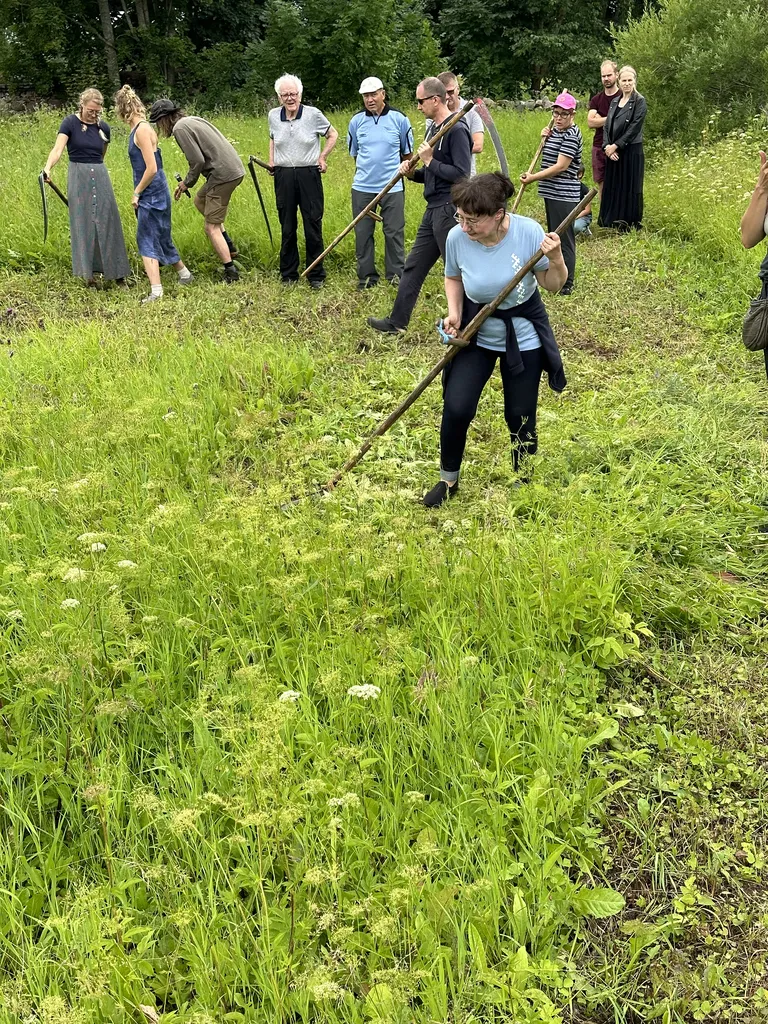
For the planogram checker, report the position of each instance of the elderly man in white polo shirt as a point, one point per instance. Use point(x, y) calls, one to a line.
point(380, 138)
point(295, 131)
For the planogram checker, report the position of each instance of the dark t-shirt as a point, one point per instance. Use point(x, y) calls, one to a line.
point(86, 141)
point(601, 103)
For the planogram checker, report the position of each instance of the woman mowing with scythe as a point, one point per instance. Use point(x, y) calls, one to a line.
point(483, 253)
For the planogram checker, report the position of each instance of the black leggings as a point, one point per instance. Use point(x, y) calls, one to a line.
point(463, 383)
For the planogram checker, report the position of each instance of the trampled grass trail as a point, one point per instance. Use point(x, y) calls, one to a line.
point(345, 760)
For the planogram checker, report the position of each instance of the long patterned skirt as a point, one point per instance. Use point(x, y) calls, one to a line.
point(98, 246)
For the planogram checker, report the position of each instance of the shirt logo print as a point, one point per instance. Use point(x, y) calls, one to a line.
point(519, 292)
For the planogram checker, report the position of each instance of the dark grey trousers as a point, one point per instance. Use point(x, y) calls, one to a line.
point(557, 211)
point(392, 209)
point(428, 247)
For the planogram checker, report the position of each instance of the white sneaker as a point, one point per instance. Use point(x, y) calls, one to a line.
point(183, 281)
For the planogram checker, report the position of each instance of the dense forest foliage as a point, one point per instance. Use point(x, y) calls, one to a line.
point(693, 59)
point(232, 52)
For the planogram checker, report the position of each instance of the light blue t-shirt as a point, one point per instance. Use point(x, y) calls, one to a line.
point(486, 269)
point(378, 145)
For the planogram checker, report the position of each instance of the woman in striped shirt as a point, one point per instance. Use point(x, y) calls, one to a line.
point(558, 177)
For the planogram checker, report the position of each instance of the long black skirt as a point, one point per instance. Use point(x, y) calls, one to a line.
point(621, 206)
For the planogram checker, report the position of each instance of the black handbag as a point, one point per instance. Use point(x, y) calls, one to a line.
point(754, 331)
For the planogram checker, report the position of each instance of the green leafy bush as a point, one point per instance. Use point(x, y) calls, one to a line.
point(693, 59)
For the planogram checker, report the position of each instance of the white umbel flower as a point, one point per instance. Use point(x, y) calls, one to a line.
point(69, 603)
point(367, 691)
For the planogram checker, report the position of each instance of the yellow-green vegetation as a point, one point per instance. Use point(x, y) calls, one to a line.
point(344, 759)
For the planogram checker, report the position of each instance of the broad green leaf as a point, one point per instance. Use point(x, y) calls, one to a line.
point(600, 902)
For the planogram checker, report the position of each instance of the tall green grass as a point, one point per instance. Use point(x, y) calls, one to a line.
point(343, 759)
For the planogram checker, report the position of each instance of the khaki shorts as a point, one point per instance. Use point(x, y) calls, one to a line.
point(212, 200)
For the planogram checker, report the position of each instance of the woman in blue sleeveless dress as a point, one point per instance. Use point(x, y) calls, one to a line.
point(151, 195)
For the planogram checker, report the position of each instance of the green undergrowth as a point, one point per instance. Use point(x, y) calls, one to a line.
point(270, 753)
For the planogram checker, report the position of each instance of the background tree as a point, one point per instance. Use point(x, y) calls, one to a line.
point(693, 59)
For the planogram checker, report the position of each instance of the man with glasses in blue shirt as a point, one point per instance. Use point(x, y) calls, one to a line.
point(380, 138)
point(443, 166)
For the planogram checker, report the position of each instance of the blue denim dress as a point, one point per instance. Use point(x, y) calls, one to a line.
point(153, 233)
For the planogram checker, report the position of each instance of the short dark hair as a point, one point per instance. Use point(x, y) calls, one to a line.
point(446, 77)
point(482, 195)
point(433, 87)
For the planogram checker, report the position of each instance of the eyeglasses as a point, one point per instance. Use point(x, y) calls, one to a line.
point(451, 92)
point(419, 102)
point(470, 222)
point(289, 95)
point(561, 113)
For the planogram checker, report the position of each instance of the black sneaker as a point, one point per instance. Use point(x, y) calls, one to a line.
point(369, 282)
point(231, 274)
point(384, 326)
point(317, 285)
point(440, 492)
point(567, 289)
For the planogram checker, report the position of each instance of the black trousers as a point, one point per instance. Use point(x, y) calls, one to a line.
point(428, 247)
point(300, 188)
point(557, 211)
point(463, 383)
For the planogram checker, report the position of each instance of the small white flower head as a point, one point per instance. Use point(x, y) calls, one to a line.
point(348, 800)
point(69, 603)
point(366, 692)
point(74, 575)
point(169, 415)
point(77, 485)
point(98, 547)
point(185, 623)
point(16, 614)
point(126, 563)
point(148, 620)
point(414, 797)
point(88, 538)
point(289, 696)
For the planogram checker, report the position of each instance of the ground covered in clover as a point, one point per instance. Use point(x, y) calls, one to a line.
point(344, 759)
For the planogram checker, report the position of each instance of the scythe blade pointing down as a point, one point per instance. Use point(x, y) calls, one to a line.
point(487, 120)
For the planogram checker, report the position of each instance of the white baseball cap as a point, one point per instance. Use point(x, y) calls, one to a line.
point(371, 84)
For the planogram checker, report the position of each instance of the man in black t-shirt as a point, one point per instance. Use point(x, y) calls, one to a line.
point(597, 115)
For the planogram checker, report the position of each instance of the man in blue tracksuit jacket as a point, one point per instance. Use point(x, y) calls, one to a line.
point(380, 138)
point(444, 165)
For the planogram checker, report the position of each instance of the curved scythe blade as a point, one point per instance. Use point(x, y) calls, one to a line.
point(251, 162)
point(41, 183)
point(487, 120)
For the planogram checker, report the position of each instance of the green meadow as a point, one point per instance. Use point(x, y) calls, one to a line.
point(342, 759)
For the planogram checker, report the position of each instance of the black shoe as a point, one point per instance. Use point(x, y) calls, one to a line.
point(231, 274)
point(288, 282)
point(317, 285)
point(440, 492)
point(394, 281)
point(385, 326)
point(567, 289)
point(369, 282)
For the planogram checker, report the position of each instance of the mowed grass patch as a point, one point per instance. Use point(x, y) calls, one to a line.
point(553, 689)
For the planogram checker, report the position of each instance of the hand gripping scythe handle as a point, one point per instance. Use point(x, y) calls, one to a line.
point(469, 331)
point(531, 169)
point(449, 124)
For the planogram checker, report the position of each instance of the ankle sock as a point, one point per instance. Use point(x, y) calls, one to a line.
point(157, 289)
point(185, 274)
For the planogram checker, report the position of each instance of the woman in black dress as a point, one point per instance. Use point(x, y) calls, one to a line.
point(622, 203)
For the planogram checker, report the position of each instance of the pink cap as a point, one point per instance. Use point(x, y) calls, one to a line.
point(566, 101)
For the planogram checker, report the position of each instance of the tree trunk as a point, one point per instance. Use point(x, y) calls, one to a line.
point(142, 13)
point(108, 34)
